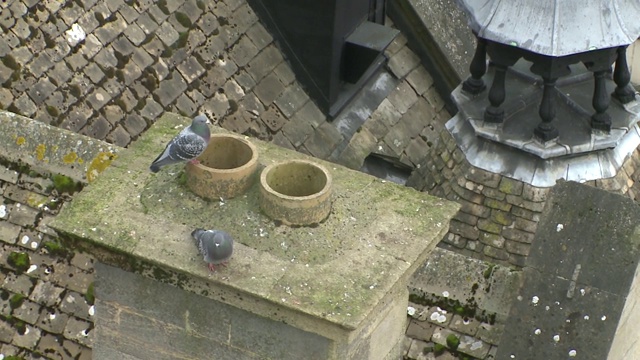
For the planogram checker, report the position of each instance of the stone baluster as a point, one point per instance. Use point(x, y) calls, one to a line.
point(621, 75)
point(600, 120)
point(494, 113)
point(545, 132)
point(478, 67)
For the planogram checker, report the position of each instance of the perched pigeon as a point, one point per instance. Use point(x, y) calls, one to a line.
point(215, 245)
point(186, 146)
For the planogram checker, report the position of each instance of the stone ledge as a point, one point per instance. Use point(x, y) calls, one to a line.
point(50, 150)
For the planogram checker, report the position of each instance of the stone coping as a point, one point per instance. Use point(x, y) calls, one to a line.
point(501, 159)
point(376, 236)
point(50, 150)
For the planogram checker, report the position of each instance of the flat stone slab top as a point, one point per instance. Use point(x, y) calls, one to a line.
point(577, 278)
point(375, 237)
point(49, 149)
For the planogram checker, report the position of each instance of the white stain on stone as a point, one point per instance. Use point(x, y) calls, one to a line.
point(92, 310)
point(476, 345)
point(34, 245)
point(572, 353)
point(535, 300)
point(586, 317)
point(603, 318)
point(75, 35)
point(411, 311)
point(559, 227)
point(537, 331)
point(32, 268)
point(24, 240)
point(556, 338)
point(3, 211)
point(445, 294)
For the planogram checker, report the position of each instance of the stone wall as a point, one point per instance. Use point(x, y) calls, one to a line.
point(499, 215)
point(139, 316)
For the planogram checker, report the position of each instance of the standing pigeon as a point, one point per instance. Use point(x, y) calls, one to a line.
point(186, 146)
point(215, 245)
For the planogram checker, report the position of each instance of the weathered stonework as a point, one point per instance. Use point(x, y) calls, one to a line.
point(302, 276)
point(498, 215)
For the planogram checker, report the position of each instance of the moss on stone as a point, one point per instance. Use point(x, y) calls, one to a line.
point(183, 19)
point(438, 349)
point(183, 37)
point(90, 296)
point(453, 342)
point(16, 301)
point(55, 248)
point(487, 273)
point(99, 164)
point(19, 260)
point(53, 111)
point(14, 357)
point(65, 184)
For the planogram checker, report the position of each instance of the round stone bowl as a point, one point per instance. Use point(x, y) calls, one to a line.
point(296, 192)
point(226, 168)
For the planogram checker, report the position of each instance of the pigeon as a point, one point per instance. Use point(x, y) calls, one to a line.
point(215, 245)
point(186, 146)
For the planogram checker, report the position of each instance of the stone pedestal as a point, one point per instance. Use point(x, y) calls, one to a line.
point(332, 291)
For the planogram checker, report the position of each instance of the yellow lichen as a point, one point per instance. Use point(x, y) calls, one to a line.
point(80, 161)
point(41, 149)
point(20, 140)
point(70, 158)
point(99, 163)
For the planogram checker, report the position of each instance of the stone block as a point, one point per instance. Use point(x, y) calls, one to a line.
point(323, 141)
point(291, 100)
point(297, 131)
point(489, 226)
point(191, 69)
point(420, 79)
point(510, 186)
point(525, 214)
point(518, 235)
point(29, 339)
point(478, 210)
point(494, 194)
point(490, 239)
point(526, 225)
point(464, 325)
point(501, 217)
point(456, 240)
point(483, 177)
point(243, 51)
point(8, 175)
point(268, 89)
point(23, 215)
point(17, 284)
point(403, 97)
point(495, 253)
point(536, 194)
point(259, 35)
point(496, 204)
point(529, 205)
point(421, 330)
point(80, 331)
point(467, 194)
point(402, 62)
point(273, 118)
point(466, 218)
point(52, 321)
point(464, 230)
point(27, 312)
point(97, 129)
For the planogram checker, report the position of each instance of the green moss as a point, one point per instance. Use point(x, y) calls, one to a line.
point(52, 110)
point(19, 260)
point(65, 184)
point(10, 62)
point(16, 301)
point(162, 4)
point(183, 19)
point(438, 349)
point(183, 37)
point(487, 273)
point(182, 178)
point(14, 357)
point(200, 4)
point(75, 90)
point(453, 342)
point(90, 296)
point(55, 248)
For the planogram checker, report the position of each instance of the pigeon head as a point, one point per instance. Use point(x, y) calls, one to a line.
point(200, 126)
